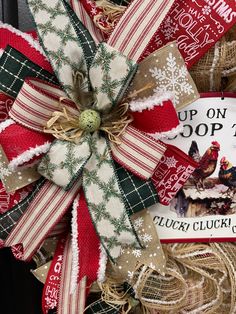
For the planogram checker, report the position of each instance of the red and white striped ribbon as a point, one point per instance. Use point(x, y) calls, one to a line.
point(138, 152)
point(70, 303)
point(86, 20)
point(43, 213)
point(138, 25)
point(36, 102)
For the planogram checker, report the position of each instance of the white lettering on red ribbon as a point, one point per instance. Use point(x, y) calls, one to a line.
point(196, 25)
point(51, 287)
point(170, 175)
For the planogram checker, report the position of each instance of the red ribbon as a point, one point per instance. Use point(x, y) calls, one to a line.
point(195, 25)
point(52, 284)
point(6, 103)
point(173, 170)
point(23, 43)
point(88, 243)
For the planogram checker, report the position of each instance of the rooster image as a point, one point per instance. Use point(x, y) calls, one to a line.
point(227, 173)
point(206, 164)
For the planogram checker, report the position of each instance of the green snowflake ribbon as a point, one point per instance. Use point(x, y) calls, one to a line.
point(70, 48)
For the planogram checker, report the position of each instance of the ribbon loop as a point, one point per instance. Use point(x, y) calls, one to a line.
point(110, 75)
point(64, 162)
point(36, 102)
point(59, 35)
point(138, 152)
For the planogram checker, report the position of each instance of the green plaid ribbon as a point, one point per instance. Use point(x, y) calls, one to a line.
point(138, 193)
point(15, 67)
point(9, 219)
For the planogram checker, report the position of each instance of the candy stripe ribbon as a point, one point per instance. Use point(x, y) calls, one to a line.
point(138, 152)
point(85, 19)
point(137, 26)
point(43, 213)
point(36, 102)
point(70, 303)
point(44, 98)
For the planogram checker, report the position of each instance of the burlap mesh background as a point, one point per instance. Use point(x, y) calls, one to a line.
point(216, 70)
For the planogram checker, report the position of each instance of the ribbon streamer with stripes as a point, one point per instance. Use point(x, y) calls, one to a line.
point(70, 303)
point(138, 25)
point(85, 19)
point(46, 209)
point(138, 152)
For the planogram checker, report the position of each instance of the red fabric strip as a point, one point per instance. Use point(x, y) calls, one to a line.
point(6, 103)
point(173, 170)
point(21, 139)
point(52, 284)
point(23, 43)
point(88, 243)
point(160, 118)
point(195, 25)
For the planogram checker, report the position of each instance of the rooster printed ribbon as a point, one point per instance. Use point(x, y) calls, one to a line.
point(63, 63)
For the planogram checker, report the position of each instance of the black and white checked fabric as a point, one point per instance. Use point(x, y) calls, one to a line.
point(101, 307)
point(15, 67)
point(138, 193)
point(9, 219)
point(85, 39)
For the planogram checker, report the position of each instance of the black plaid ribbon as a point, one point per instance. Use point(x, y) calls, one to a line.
point(9, 219)
point(15, 67)
point(85, 39)
point(138, 193)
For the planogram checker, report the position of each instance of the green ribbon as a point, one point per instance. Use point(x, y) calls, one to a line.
point(15, 67)
point(109, 74)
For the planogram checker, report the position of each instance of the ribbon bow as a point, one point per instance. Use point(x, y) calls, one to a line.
point(71, 48)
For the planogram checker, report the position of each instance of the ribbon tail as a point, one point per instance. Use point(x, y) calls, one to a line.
point(70, 303)
point(52, 284)
point(88, 259)
point(105, 200)
point(43, 213)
